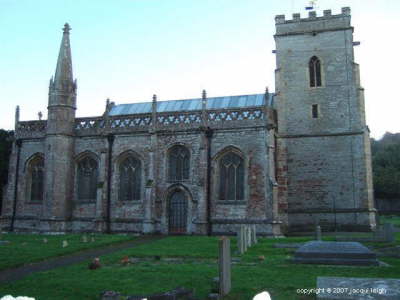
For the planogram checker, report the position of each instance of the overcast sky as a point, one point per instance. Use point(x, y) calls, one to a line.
point(128, 50)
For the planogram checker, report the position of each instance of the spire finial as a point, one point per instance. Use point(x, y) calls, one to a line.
point(204, 94)
point(266, 91)
point(40, 115)
point(66, 28)
point(154, 98)
point(17, 113)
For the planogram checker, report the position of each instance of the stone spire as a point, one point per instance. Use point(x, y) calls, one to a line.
point(64, 77)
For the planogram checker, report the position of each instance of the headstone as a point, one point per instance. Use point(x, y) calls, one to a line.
point(349, 288)
point(92, 239)
point(389, 232)
point(243, 238)
point(318, 233)
point(45, 240)
point(224, 266)
point(240, 245)
point(254, 234)
point(335, 253)
point(65, 244)
point(248, 232)
point(84, 238)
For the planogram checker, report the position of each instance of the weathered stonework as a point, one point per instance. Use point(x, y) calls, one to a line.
point(298, 170)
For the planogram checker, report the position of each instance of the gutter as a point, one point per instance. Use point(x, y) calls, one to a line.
point(209, 134)
point(18, 143)
point(110, 139)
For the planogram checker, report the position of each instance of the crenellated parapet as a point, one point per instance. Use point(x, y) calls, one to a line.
point(313, 23)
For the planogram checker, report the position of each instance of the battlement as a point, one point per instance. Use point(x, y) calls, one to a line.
point(313, 23)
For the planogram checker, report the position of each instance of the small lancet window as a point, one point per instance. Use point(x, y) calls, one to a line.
point(36, 176)
point(314, 67)
point(314, 110)
point(87, 179)
point(130, 171)
point(179, 160)
point(231, 185)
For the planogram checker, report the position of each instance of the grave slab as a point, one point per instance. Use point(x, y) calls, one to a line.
point(335, 253)
point(350, 288)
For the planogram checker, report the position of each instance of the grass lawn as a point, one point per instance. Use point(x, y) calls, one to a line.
point(27, 248)
point(249, 276)
point(390, 219)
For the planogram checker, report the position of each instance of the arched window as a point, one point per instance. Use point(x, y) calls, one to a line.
point(87, 179)
point(130, 170)
point(35, 179)
point(179, 158)
point(314, 67)
point(231, 185)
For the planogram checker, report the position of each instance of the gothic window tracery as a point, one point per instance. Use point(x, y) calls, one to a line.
point(231, 183)
point(130, 170)
point(179, 160)
point(87, 179)
point(36, 179)
point(314, 67)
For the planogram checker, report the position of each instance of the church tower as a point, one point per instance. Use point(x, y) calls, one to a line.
point(59, 142)
point(324, 159)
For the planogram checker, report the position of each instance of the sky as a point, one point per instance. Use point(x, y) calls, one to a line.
point(128, 50)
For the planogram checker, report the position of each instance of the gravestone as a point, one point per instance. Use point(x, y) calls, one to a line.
point(335, 253)
point(84, 238)
point(388, 229)
point(318, 233)
point(65, 244)
point(240, 242)
point(92, 239)
point(249, 239)
point(243, 234)
point(254, 234)
point(224, 266)
point(45, 240)
point(349, 288)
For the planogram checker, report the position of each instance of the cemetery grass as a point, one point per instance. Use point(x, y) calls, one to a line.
point(195, 266)
point(27, 248)
point(390, 219)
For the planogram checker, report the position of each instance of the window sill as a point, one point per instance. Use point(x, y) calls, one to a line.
point(232, 202)
point(34, 202)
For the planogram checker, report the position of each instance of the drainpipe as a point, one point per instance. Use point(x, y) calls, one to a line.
point(209, 134)
point(18, 143)
point(110, 139)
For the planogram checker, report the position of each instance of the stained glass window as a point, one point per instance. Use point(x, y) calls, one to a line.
point(36, 173)
point(179, 158)
point(87, 179)
point(130, 170)
point(231, 177)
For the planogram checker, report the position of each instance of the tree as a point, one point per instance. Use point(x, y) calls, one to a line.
point(386, 166)
point(6, 138)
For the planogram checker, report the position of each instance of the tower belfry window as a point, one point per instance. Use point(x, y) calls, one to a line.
point(314, 68)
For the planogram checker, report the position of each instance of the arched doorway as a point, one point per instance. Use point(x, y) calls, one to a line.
point(177, 212)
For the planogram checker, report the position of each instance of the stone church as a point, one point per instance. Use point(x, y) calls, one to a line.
point(283, 160)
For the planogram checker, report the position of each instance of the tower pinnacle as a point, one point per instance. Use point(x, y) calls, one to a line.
point(64, 77)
